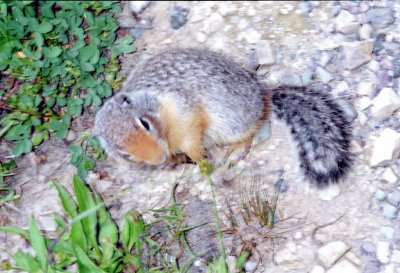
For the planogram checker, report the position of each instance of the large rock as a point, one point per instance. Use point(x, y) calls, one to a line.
point(266, 54)
point(387, 102)
point(344, 267)
point(386, 148)
point(357, 53)
point(380, 17)
point(346, 22)
point(331, 252)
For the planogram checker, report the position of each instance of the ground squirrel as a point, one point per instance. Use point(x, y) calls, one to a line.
point(183, 101)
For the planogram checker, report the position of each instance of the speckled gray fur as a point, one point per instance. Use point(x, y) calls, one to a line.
point(233, 99)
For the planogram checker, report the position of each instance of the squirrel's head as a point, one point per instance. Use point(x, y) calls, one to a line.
point(129, 126)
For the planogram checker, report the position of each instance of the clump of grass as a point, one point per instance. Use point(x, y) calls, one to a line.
point(256, 204)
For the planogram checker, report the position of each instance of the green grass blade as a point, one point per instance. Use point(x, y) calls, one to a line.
point(67, 202)
point(38, 243)
point(84, 263)
point(16, 230)
point(88, 208)
point(26, 262)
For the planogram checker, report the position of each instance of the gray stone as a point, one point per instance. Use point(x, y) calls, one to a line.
point(383, 252)
point(281, 186)
point(396, 237)
point(379, 42)
point(380, 195)
point(388, 232)
point(357, 53)
point(367, 250)
point(389, 211)
point(372, 267)
point(250, 266)
point(324, 75)
point(394, 198)
point(307, 76)
point(344, 266)
point(179, 17)
point(380, 17)
point(266, 54)
point(331, 252)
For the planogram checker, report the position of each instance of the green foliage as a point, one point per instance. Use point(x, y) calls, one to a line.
point(6, 193)
point(56, 57)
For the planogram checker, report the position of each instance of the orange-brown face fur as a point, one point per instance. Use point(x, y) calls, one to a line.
point(143, 147)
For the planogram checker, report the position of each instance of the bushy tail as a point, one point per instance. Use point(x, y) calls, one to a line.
point(320, 129)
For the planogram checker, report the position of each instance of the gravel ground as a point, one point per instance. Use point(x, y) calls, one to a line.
point(349, 48)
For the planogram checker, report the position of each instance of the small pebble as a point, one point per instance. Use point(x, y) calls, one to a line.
point(389, 211)
point(365, 32)
point(380, 195)
point(281, 186)
point(179, 17)
point(324, 75)
point(394, 198)
point(388, 232)
point(372, 267)
point(383, 252)
point(367, 250)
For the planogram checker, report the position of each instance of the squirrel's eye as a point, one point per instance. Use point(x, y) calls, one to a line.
point(145, 124)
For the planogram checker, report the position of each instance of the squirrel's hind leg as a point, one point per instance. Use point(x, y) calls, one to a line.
point(244, 146)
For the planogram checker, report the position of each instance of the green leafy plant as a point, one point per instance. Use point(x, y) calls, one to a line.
point(6, 193)
point(85, 152)
point(56, 58)
point(89, 239)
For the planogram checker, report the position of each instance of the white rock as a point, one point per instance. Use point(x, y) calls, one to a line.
point(284, 255)
point(331, 43)
point(200, 13)
point(389, 176)
point(318, 269)
point(385, 148)
point(362, 118)
point(213, 23)
point(266, 54)
point(231, 262)
point(324, 75)
point(353, 258)
point(365, 88)
point(363, 103)
point(357, 53)
point(331, 252)
point(395, 256)
point(201, 37)
point(226, 8)
point(365, 32)
point(344, 267)
point(138, 6)
point(383, 252)
point(329, 193)
point(386, 103)
point(346, 22)
point(341, 87)
point(218, 43)
point(252, 36)
point(374, 65)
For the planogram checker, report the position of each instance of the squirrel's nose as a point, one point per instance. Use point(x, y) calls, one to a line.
point(121, 99)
